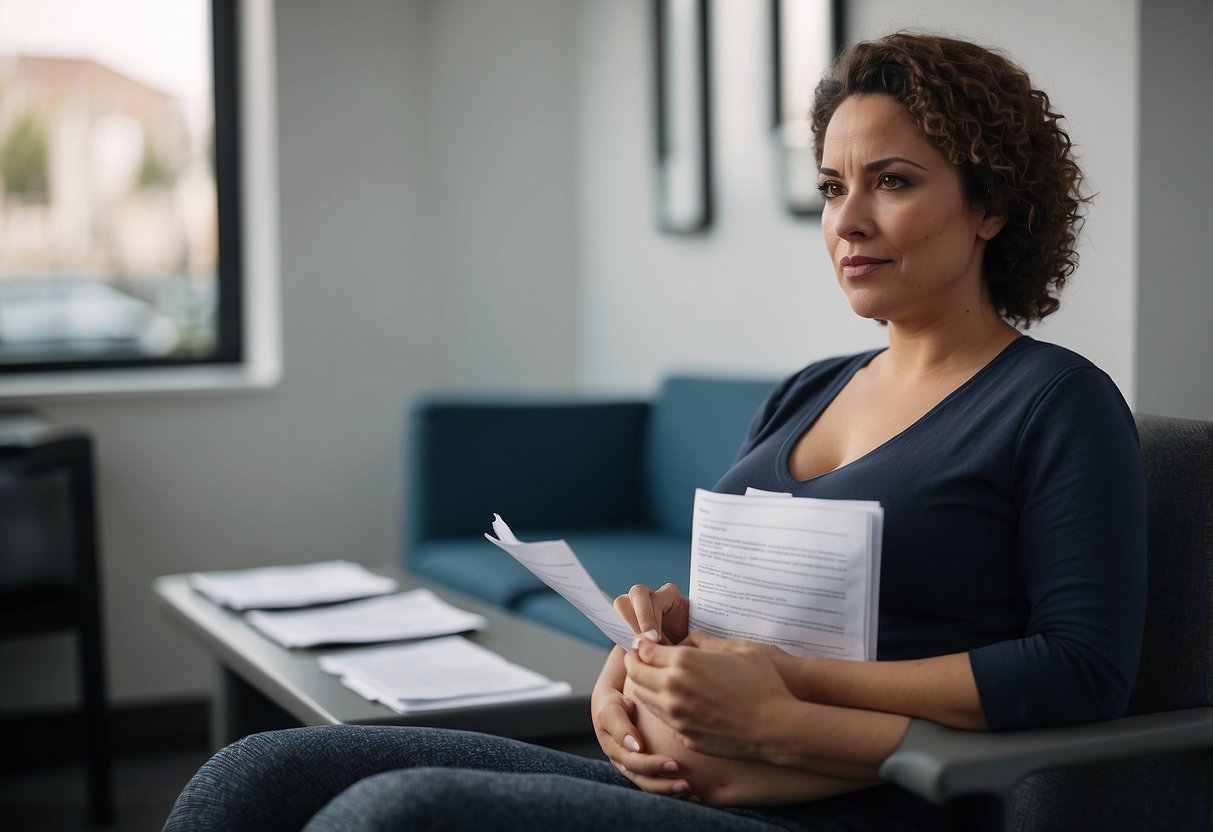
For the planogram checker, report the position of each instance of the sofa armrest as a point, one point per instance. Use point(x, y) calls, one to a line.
point(540, 463)
point(944, 764)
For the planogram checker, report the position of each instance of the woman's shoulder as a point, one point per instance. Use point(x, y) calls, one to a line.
point(1043, 366)
point(1045, 355)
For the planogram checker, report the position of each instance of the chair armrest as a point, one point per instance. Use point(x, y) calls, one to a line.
point(540, 463)
point(943, 764)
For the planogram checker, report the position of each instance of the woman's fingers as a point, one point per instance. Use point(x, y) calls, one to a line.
point(648, 612)
point(667, 786)
point(623, 605)
point(620, 741)
point(660, 616)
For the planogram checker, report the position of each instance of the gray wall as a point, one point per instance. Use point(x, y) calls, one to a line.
point(1175, 289)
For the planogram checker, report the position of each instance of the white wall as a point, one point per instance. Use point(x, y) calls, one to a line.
point(502, 189)
point(757, 292)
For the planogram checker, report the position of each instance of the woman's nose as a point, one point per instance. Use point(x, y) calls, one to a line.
point(852, 216)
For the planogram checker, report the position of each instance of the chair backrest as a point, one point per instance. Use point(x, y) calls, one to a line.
point(1177, 657)
point(1174, 792)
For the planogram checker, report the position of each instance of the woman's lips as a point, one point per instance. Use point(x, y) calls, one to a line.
point(853, 267)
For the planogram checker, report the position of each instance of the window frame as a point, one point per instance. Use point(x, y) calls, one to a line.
point(248, 351)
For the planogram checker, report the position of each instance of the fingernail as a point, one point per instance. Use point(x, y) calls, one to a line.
point(681, 787)
point(631, 743)
point(651, 635)
point(670, 766)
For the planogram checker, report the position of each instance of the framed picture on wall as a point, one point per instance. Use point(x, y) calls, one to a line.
point(805, 37)
point(683, 150)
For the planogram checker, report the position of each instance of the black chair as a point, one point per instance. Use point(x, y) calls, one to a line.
point(1151, 770)
point(48, 566)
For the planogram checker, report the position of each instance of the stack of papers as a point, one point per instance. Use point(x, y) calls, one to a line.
point(797, 572)
point(449, 672)
point(416, 614)
point(280, 587)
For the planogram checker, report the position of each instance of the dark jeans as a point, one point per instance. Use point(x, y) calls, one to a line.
point(350, 777)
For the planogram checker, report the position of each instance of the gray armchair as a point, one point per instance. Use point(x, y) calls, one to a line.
point(1152, 769)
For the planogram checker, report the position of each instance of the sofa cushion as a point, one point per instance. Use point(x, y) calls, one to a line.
point(538, 462)
point(475, 566)
point(616, 558)
point(551, 610)
point(619, 558)
point(695, 429)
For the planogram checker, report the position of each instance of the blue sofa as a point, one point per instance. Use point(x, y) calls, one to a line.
point(615, 478)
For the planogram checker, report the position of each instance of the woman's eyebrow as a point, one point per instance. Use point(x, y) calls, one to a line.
point(876, 165)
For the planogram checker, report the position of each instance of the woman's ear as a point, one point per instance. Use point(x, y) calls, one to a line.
point(991, 224)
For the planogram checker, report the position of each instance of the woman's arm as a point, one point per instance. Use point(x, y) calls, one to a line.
point(726, 698)
point(941, 689)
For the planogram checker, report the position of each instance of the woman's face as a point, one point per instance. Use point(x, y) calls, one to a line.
point(905, 243)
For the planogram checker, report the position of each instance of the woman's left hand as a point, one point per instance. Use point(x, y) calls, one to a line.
point(718, 694)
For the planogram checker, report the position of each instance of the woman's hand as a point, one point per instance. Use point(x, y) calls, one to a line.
point(716, 693)
point(662, 616)
point(614, 716)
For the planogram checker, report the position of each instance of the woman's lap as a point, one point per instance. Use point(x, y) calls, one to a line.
point(387, 777)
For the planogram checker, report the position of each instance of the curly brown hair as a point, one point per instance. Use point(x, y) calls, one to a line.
point(983, 114)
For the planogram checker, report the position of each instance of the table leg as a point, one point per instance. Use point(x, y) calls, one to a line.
point(240, 709)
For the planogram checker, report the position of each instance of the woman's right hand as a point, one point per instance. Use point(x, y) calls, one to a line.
point(613, 715)
point(663, 616)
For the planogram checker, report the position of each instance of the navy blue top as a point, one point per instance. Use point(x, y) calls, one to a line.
point(1014, 526)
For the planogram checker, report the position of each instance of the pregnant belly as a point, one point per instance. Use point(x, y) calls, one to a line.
point(720, 781)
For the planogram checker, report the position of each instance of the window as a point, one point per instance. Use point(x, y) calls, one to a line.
point(120, 187)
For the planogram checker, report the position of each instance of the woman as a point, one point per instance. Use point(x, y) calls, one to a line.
point(1013, 562)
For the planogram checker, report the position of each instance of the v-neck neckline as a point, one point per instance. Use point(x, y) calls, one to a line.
point(863, 360)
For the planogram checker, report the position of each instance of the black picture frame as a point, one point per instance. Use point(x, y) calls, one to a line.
point(683, 158)
point(806, 36)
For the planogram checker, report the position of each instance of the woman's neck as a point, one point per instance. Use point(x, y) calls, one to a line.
point(962, 342)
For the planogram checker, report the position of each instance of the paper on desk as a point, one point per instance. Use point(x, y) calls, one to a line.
point(415, 614)
point(448, 672)
point(798, 572)
point(553, 562)
point(280, 587)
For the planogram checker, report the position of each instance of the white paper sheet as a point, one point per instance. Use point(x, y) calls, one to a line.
point(553, 562)
point(407, 615)
point(281, 587)
point(797, 572)
point(442, 673)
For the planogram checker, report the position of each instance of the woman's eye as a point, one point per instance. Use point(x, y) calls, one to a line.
point(830, 189)
point(891, 181)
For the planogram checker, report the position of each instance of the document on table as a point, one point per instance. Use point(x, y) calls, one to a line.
point(301, 585)
point(554, 563)
point(449, 672)
point(800, 573)
point(418, 613)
